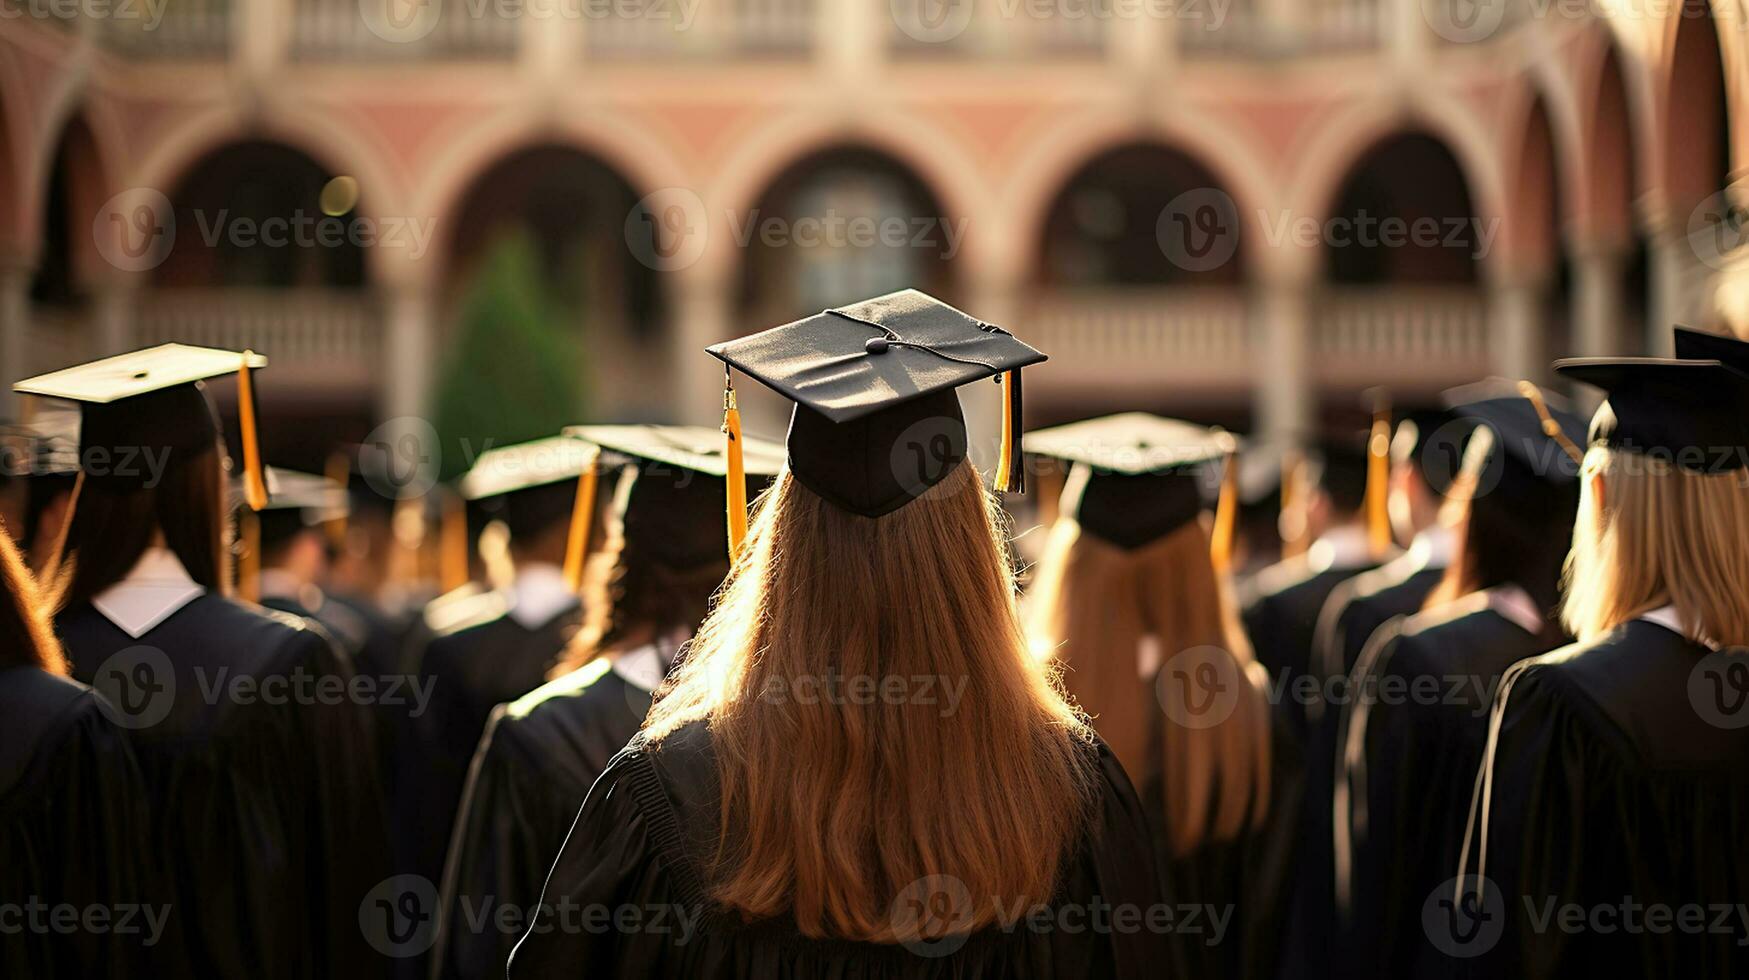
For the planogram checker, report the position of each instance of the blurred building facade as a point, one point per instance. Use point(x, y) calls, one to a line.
point(1215, 207)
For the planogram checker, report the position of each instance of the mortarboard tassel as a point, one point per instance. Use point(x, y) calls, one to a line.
point(339, 470)
point(248, 556)
point(1378, 480)
point(582, 514)
point(1551, 428)
point(1226, 530)
point(254, 482)
point(1010, 474)
point(452, 569)
point(1295, 497)
point(736, 475)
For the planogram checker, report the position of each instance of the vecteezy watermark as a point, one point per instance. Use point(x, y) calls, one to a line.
point(401, 457)
point(1464, 918)
point(1472, 691)
point(398, 917)
point(939, 235)
point(138, 685)
point(1718, 687)
point(149, 13)
point(38, 916)
point(1200, 230)
point(1718, 227)
point(1467, 918)
point(136, 229)
point(1471, 21)
point(936, 913)
point(835, 687)
point(407, 21)
point(668, 229)
point(1200, 687)
point(144, 466)
point(942, 21)
point(1464, 21)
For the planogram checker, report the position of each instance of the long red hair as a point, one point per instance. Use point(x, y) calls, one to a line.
point(25, 635)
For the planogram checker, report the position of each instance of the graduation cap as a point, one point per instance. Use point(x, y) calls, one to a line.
point(151, 401)
point(673, 504)
point(1137, 477)
point(537, 484)
point(1693, 412)
point(45, 446)
point(297, 502)
point(1535, 429)
point(1698, 345)
point(877, 419)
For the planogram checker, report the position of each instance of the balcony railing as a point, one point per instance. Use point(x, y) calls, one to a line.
point(1430, 333)
point(1105, 336)
point(179, 29)
point(997, 29)
point(399, 30)
point(711, 29)
point(316, 337)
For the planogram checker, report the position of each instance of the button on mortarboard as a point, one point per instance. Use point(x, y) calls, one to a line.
point(877, 422)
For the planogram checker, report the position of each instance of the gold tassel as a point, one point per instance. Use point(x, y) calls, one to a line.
point(736, 477)
point(254, 482)
point(1551, 428)
point(1296, 493)
point(1378, 480)
point(1010, 474)
point(453, 545)
point(339, 472)
point(248, 556)
point(1226, 532)
point(582, 514)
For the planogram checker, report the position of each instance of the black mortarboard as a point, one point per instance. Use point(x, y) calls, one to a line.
point(877, 420)
point(298, 501)
point(1136, 476)
point(45, 446)
point(534, 481)
point(1535, 437)
point(151, 402)
point(674, 503)
point(1697, 345)
point(1694, 413)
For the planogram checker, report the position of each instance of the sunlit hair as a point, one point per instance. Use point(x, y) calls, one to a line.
point(830, 807)
point(1091, 606)
point(26, 638)
point(630, 598)
point(1661, 535)
point(110, 529)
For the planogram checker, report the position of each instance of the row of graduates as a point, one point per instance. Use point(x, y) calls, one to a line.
point(832, 836)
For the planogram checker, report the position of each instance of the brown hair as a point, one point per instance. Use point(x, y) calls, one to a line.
point(26, 638)
point(1092, 605)
point(110, 529)
point(1661, 535)
point(832, 807)
point(630, 598)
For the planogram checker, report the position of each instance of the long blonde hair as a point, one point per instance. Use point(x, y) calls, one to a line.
point(1091, 606)
point(1661, 535)
point(833, 806)
point(26, 635)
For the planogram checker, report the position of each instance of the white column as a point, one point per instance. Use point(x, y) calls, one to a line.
point(1667, 255)
point(260, 30)
point(112, 316)
point(408, 351)
point(14, 331)
point(1281, 341)
point(1597, 299)
point(851, 37)
point(1516, 326)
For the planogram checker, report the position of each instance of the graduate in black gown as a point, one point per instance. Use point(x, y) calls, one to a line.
point(498, 644)
point(75, 822)
point(260, 770)
point(1606, 823)
point(858, 770)
point(1413, 733)
point(294, 542)
point(1419, 475)
point(41, 458)
point(1280, 603)
point(1129, 600)
point(665, 553)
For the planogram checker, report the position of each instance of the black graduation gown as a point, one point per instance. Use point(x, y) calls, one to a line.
point(534, 767)
point(1280, 612)
point(651, 820)
point(1621, 775)
point(471, 668)
point(1410, 753)
point(269, 811)
point(75, 833)
point(1354, 610)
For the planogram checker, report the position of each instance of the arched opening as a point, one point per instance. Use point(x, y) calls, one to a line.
point(546, 298)
point(1616, 316)
point(1540, 219)
point(1140, 267)
point(75, 192)
point(838, 226)
point(1697, 142)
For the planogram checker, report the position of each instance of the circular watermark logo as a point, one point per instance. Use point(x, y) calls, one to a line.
point(138, 685)
point(399, 916)
point(1718, 687)
point(134, 230)
point(1199, 229)
point(1199, 687)
point(1464, 918)
point(926, 452)
point(1443, 453)
point(667, 229)
point(935, 914)
point(400, 457)
point(400, 21)
point(1717, 229)
point(1464, 21)
point(932, 21)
